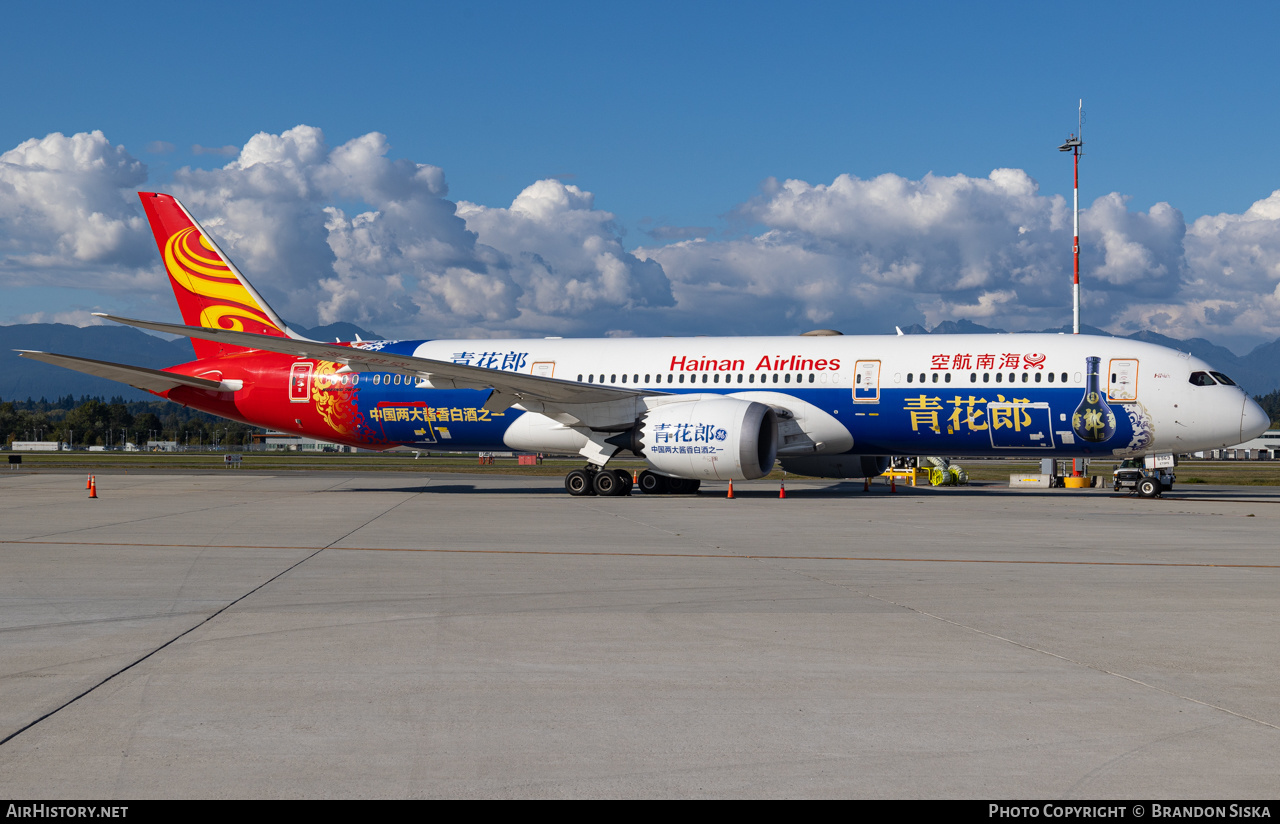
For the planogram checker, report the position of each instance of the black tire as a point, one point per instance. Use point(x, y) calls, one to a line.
point(651, 483)
point(624, 478)
point(1148, 487)
point(578, 483)
point(607, 484)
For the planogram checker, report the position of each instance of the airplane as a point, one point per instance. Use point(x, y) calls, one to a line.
point(701, 408)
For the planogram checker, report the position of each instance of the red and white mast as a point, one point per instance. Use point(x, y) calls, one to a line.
point(1073, 144)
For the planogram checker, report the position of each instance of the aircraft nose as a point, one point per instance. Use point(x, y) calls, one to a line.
point(1253, 421)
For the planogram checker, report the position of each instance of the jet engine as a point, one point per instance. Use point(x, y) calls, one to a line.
point(713, 439)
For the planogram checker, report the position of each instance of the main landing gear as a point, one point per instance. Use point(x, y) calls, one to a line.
point(592, 480)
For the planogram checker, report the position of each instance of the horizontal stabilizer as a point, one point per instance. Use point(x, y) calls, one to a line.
point(140, 377)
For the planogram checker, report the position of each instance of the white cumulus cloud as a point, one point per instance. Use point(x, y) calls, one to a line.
point(350, 232)
point(66, 218)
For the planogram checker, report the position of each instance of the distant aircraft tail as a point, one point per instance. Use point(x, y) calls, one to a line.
point(211, 292)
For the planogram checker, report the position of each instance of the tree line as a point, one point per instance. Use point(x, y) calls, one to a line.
point(1270, 404)
point(93, 421)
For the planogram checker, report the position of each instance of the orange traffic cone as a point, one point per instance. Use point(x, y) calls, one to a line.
point(730, 495)
point(782, 490)
point(866, 484)
point(635, 477)
point(893, 485)
point(88, 481)
point(93, 487)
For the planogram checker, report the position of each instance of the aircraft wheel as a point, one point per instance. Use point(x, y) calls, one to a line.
point(607, 483)
point(624, 481)
point(651, 483)
point(1148, 487)
point(578, 482)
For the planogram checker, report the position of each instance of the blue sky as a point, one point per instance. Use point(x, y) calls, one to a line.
point(673, 114)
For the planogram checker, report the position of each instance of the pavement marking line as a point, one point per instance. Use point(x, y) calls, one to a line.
point(722, 555)
point(199, 624)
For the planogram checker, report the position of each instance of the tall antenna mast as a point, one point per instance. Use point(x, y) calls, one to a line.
point(1073, 144)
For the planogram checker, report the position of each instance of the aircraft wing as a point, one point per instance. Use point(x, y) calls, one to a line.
point(148, 380)
point(509, 388)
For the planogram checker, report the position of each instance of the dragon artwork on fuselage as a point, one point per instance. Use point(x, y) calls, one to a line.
point(691, 408)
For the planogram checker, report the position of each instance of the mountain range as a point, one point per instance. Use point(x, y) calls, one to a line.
point(1257, 372)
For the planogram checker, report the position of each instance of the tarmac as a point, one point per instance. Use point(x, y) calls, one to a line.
point(231, 634)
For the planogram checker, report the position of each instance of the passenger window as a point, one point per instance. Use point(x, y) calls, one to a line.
point(1064, 377)
point(947, 378)
point(1026, 376)
point(739, 377)
point(935, 377)
point(636, 378)
point(717, 380)
point(775, 377)
point(751, 378)
point(614, 378)
point(1223, 378)
point(670, 377)
point(986, 377)
point(787, 378)
point(1050, 377)
point(579, 379)
point(590, 378)
point(1037, 377)
point(704, 377)
point(911, 376)
point(377, 380)
point(682, 378)
point(999, 377)
point(973, 377)
point(646, 377)
point(811, 378)
point(624, 378)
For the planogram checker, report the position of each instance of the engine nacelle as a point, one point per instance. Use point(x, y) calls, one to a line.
point(837, 466)
point(713, 439)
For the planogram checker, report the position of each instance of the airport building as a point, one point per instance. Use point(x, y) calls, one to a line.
point(274, 441)
point(1265, 447)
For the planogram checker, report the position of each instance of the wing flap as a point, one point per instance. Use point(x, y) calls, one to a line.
point(139, 377)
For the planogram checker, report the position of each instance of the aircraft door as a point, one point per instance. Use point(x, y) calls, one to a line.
point(1123, 384)
point(300, 382)
point(543, 369)
point(1020, 425)
point(866, 381)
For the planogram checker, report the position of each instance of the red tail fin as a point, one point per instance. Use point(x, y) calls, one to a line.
point(211, 292)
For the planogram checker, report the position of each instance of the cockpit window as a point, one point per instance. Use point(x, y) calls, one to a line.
point(1202, 379)
point(1223, 379)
